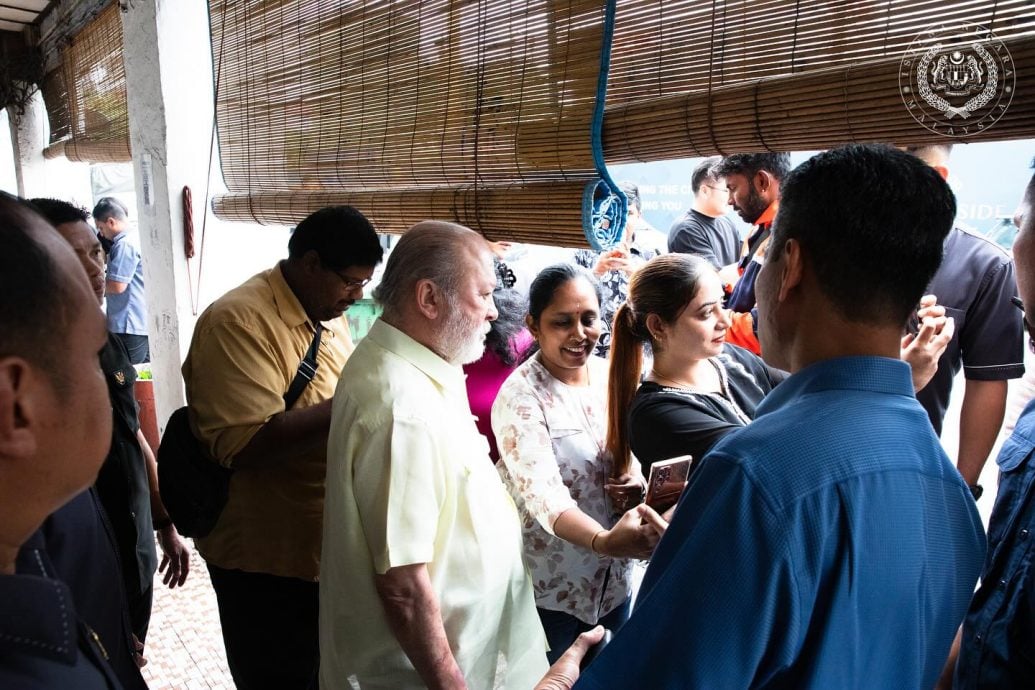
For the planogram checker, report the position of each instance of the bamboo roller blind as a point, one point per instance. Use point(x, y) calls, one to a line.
point(93, 79)
point(55, 97)
point(476, 111)
point(483, 112)
point(692, 78)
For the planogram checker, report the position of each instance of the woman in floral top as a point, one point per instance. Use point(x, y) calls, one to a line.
point(550, 422)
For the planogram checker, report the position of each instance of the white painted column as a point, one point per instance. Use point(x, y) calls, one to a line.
point(28, 139)
point(37, 176)
point(168, 65)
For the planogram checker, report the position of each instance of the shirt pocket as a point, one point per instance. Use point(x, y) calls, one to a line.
point(1015, 486)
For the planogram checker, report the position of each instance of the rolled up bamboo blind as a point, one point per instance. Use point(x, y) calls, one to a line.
point(490, 113)
point(93, 79)
point(478, 111)
point(55, 98)
point(692, 78)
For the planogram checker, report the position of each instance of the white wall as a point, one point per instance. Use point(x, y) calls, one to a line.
point(8, 180)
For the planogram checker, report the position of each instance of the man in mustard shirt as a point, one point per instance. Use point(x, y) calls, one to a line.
point(422, 583)
point(264, 552)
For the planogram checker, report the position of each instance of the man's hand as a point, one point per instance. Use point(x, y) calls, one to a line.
point(175, 557)
point(922, 351)
point(138, 652)
point(565, 671)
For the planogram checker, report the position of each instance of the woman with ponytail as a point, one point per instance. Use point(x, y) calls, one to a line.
point(699, 387)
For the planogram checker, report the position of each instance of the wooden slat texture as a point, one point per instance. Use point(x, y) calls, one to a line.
point(813, 110)
point(55, 97)
point(407, 101)
point(664, 47)
point(94, 79)
point(691, 78)
point(432, 109)
point(541, 212)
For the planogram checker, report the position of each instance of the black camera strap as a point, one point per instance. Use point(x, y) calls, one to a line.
point(306, 370)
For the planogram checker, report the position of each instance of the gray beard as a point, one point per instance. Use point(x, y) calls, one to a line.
point(463, 342)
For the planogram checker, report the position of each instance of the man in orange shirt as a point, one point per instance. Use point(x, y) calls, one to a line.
point(753, 184)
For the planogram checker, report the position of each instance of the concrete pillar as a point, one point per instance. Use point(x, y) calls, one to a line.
point(168, 64)
point(37, 176)
point(28, 139)
point(8, 178)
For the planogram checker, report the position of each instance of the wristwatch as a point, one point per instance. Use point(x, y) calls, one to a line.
point(976, 490)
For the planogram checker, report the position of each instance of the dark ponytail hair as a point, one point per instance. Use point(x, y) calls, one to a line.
point(663, 286)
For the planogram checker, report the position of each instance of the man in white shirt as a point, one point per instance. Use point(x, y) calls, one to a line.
point(422, 582)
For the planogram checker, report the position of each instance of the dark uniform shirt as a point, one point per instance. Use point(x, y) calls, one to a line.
point(122, 482)
point(974, 283)
point(75, 545)
point(43, 644)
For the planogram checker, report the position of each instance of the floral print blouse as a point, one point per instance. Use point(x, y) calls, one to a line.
point(552, 458)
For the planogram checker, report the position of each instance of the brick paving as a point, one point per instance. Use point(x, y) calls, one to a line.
point(184, 646)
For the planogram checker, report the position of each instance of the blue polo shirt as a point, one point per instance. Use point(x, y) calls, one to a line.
point(126, 311)
point(828, 544)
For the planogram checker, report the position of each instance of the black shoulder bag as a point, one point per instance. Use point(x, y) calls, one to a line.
point(194, 487)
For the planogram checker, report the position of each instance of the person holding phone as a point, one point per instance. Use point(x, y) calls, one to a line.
point(550, 424)
point(701, 387)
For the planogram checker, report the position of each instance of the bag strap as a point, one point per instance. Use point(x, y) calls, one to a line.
point(306, 370)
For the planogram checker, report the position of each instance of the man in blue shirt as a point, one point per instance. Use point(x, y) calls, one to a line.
point(998, 639)
point(830, 543)
point(124, 286)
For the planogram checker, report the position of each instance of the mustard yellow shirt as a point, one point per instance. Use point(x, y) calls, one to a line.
point(409, 481)
point(243, 356)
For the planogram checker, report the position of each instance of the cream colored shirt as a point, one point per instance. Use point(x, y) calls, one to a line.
point(243, 356)
point(409, 481)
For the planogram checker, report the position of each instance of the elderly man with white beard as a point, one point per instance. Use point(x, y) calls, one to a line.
point(422, 583)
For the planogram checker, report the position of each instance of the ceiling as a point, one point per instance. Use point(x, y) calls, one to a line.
point(15, 15)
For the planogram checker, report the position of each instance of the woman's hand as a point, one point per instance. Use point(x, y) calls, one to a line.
point(626, 492)
point(634, 536)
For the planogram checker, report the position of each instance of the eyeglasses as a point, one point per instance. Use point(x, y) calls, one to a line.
point(718, 189)
point(351, 283)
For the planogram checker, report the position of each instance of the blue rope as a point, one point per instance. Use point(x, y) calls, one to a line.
point(604, 205)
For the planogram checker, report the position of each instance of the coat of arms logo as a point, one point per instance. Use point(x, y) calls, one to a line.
point(957, 80)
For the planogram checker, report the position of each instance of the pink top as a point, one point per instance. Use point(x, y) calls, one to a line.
point(484, 379)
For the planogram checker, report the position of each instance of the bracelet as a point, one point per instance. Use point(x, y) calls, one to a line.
point(161, 524)
point(593, 541)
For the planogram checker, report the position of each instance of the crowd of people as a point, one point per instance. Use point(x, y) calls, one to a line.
point(420, 510)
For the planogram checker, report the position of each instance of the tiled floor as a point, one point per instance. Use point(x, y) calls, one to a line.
point(184, 646)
